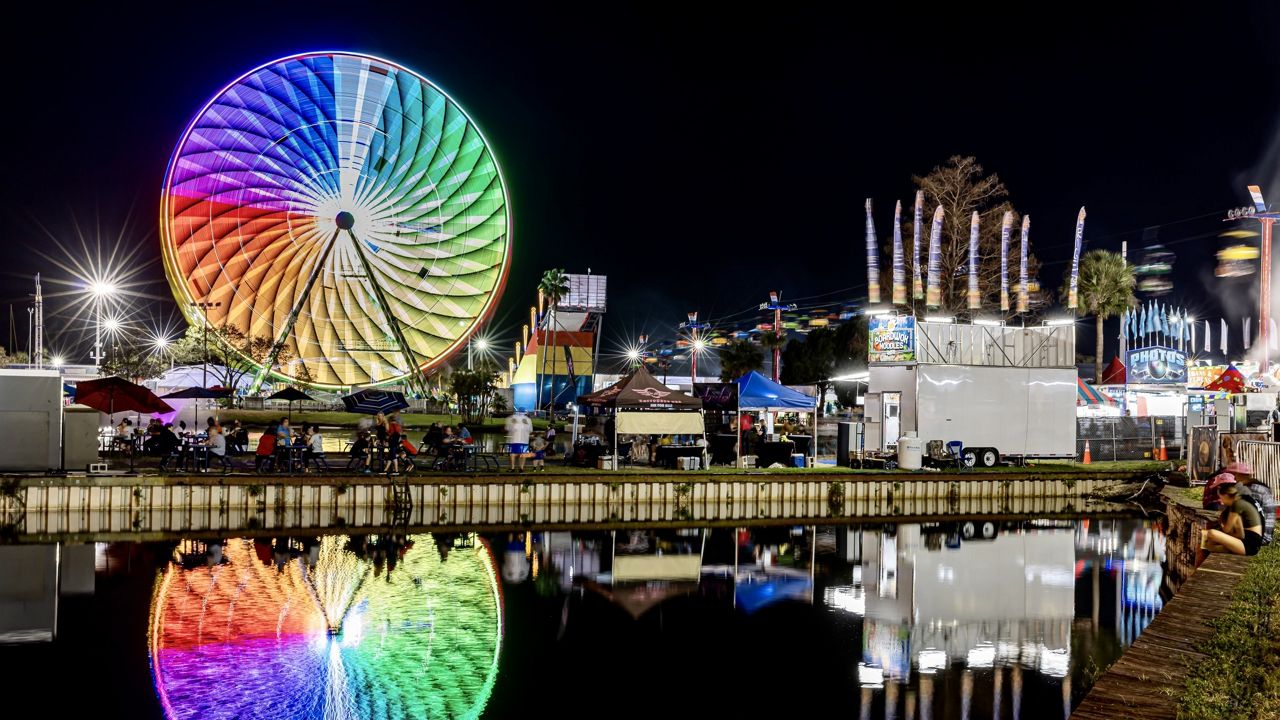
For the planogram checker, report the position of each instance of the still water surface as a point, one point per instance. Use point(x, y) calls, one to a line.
point(946, 620)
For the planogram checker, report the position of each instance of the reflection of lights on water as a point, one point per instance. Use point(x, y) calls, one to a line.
point(1051, 575)
point(931, 659)
point(1055, 663)
point(1007, 652)
point(248, 640)
point(870, 677)
point(983, 656)
point(847, 598)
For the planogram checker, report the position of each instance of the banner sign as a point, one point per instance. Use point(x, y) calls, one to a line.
point(1200, 375)
point(891, 339)
point(1156, 366)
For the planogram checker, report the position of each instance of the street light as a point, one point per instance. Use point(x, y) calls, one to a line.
point(481, 344)
point(204, 316)
point(100, 291)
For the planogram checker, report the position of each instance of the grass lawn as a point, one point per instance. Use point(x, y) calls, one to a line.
point(1240, 678)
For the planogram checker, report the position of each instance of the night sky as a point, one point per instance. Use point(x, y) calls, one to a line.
point(699, 158)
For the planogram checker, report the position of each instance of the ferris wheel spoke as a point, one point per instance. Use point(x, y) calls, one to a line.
point(300, 299)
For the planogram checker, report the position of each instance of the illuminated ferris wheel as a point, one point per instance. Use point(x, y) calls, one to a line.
point(342, 212)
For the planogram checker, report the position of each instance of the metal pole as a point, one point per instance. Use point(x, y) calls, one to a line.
point(1264, 295)
point(777, 349)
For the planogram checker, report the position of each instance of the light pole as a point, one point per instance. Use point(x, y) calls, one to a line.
point(204, 307)
point(777, 306)
point(1268, 219)
point(481, 344)
point(100, 291)
point(695, 329)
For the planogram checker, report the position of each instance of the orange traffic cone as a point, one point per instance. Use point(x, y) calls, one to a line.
point(1088, 459)
point(1164, 454)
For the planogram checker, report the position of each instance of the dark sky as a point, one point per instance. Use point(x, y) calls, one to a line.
point(699, 158)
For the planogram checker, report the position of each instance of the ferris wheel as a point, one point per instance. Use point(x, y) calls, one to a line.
point(339, 217)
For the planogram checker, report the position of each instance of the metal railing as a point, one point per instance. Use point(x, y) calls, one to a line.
point(1264, 457)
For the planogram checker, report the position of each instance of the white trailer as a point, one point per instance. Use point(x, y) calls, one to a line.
point(1006, 398)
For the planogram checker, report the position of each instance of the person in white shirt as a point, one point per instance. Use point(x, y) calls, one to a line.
point(217, 443)
point(518, 428)
point(315, 448)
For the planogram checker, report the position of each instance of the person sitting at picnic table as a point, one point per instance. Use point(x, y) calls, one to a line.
point(464, 435)
point(1239, 530)
point(266, 451)
point(359, 451)
point(210, 423)
point(315, 448)
point(284, 434)
point(434, 437)
point(165, 444)
point(217, 444)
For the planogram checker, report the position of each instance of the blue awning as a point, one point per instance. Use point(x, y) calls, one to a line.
point(757, 392)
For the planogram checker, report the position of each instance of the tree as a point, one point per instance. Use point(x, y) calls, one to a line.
point(474, 391)
point(961, 186)
point(134, 361)
point(825, 354)
point(554, 286)
point(232, 353)
point(1105, 290)
point(738, 358)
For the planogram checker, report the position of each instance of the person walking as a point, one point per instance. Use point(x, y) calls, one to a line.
point(518, 428)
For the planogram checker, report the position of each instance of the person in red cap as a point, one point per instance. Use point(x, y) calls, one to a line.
point(1239, 530)
point(1266, 500)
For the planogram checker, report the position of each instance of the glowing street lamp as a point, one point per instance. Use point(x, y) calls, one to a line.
point(101, 291)
point(480, 343)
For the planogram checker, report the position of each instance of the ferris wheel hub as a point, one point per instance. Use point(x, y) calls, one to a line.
point(345, 220)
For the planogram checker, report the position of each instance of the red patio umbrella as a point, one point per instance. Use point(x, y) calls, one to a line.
point(115, 394)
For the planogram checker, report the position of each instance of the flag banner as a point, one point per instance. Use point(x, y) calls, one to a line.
point(1191, 337)
point(975, 300)
point(873, 260)
point(1124, 324)
point(917, 285)
point(1222, 331)
point(1072, 299)
point(1208, 337)
point(1248, 339)
point(1024, 292)
point(934, 291)
point(1006, 229)
point(899, 264)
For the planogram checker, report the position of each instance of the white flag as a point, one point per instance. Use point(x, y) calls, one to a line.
point(1208, 337)
point(1247, 335)
point(1223, 331)
point(1192, 346)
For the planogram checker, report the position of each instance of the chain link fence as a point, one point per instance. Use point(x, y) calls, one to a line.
point(1130, 438)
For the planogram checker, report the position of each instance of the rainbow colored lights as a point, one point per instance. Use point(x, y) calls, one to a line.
point(244, 639)
point(342, 207)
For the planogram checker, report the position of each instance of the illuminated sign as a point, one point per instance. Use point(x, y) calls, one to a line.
point(1156, 366)
point(891, 339)
point(1200, 375)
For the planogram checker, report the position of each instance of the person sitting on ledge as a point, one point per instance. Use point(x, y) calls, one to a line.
point(1239, 530)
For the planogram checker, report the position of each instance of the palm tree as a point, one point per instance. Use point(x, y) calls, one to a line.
point(554, 286)
point(739, 358)
point(1105, 290)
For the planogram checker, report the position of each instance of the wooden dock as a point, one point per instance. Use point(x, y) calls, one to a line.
point(1146, 683)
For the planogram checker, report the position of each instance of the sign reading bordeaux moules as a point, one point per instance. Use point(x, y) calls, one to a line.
point(891, 339)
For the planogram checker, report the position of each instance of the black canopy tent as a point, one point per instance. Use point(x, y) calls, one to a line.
point(644, 406)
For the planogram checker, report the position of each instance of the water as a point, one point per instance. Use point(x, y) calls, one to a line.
point(943, 620)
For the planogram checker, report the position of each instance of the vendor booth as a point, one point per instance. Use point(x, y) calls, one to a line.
point(643, 406)
point(754, 392)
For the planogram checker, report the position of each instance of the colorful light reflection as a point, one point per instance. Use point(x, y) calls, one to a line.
point(245, 640)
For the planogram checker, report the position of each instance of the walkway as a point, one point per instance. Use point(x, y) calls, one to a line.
point(1147, 682)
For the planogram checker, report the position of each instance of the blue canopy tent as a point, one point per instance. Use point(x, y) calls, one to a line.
point(757, 392)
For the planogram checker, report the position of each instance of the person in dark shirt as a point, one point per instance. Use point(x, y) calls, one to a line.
point(1239, 530)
